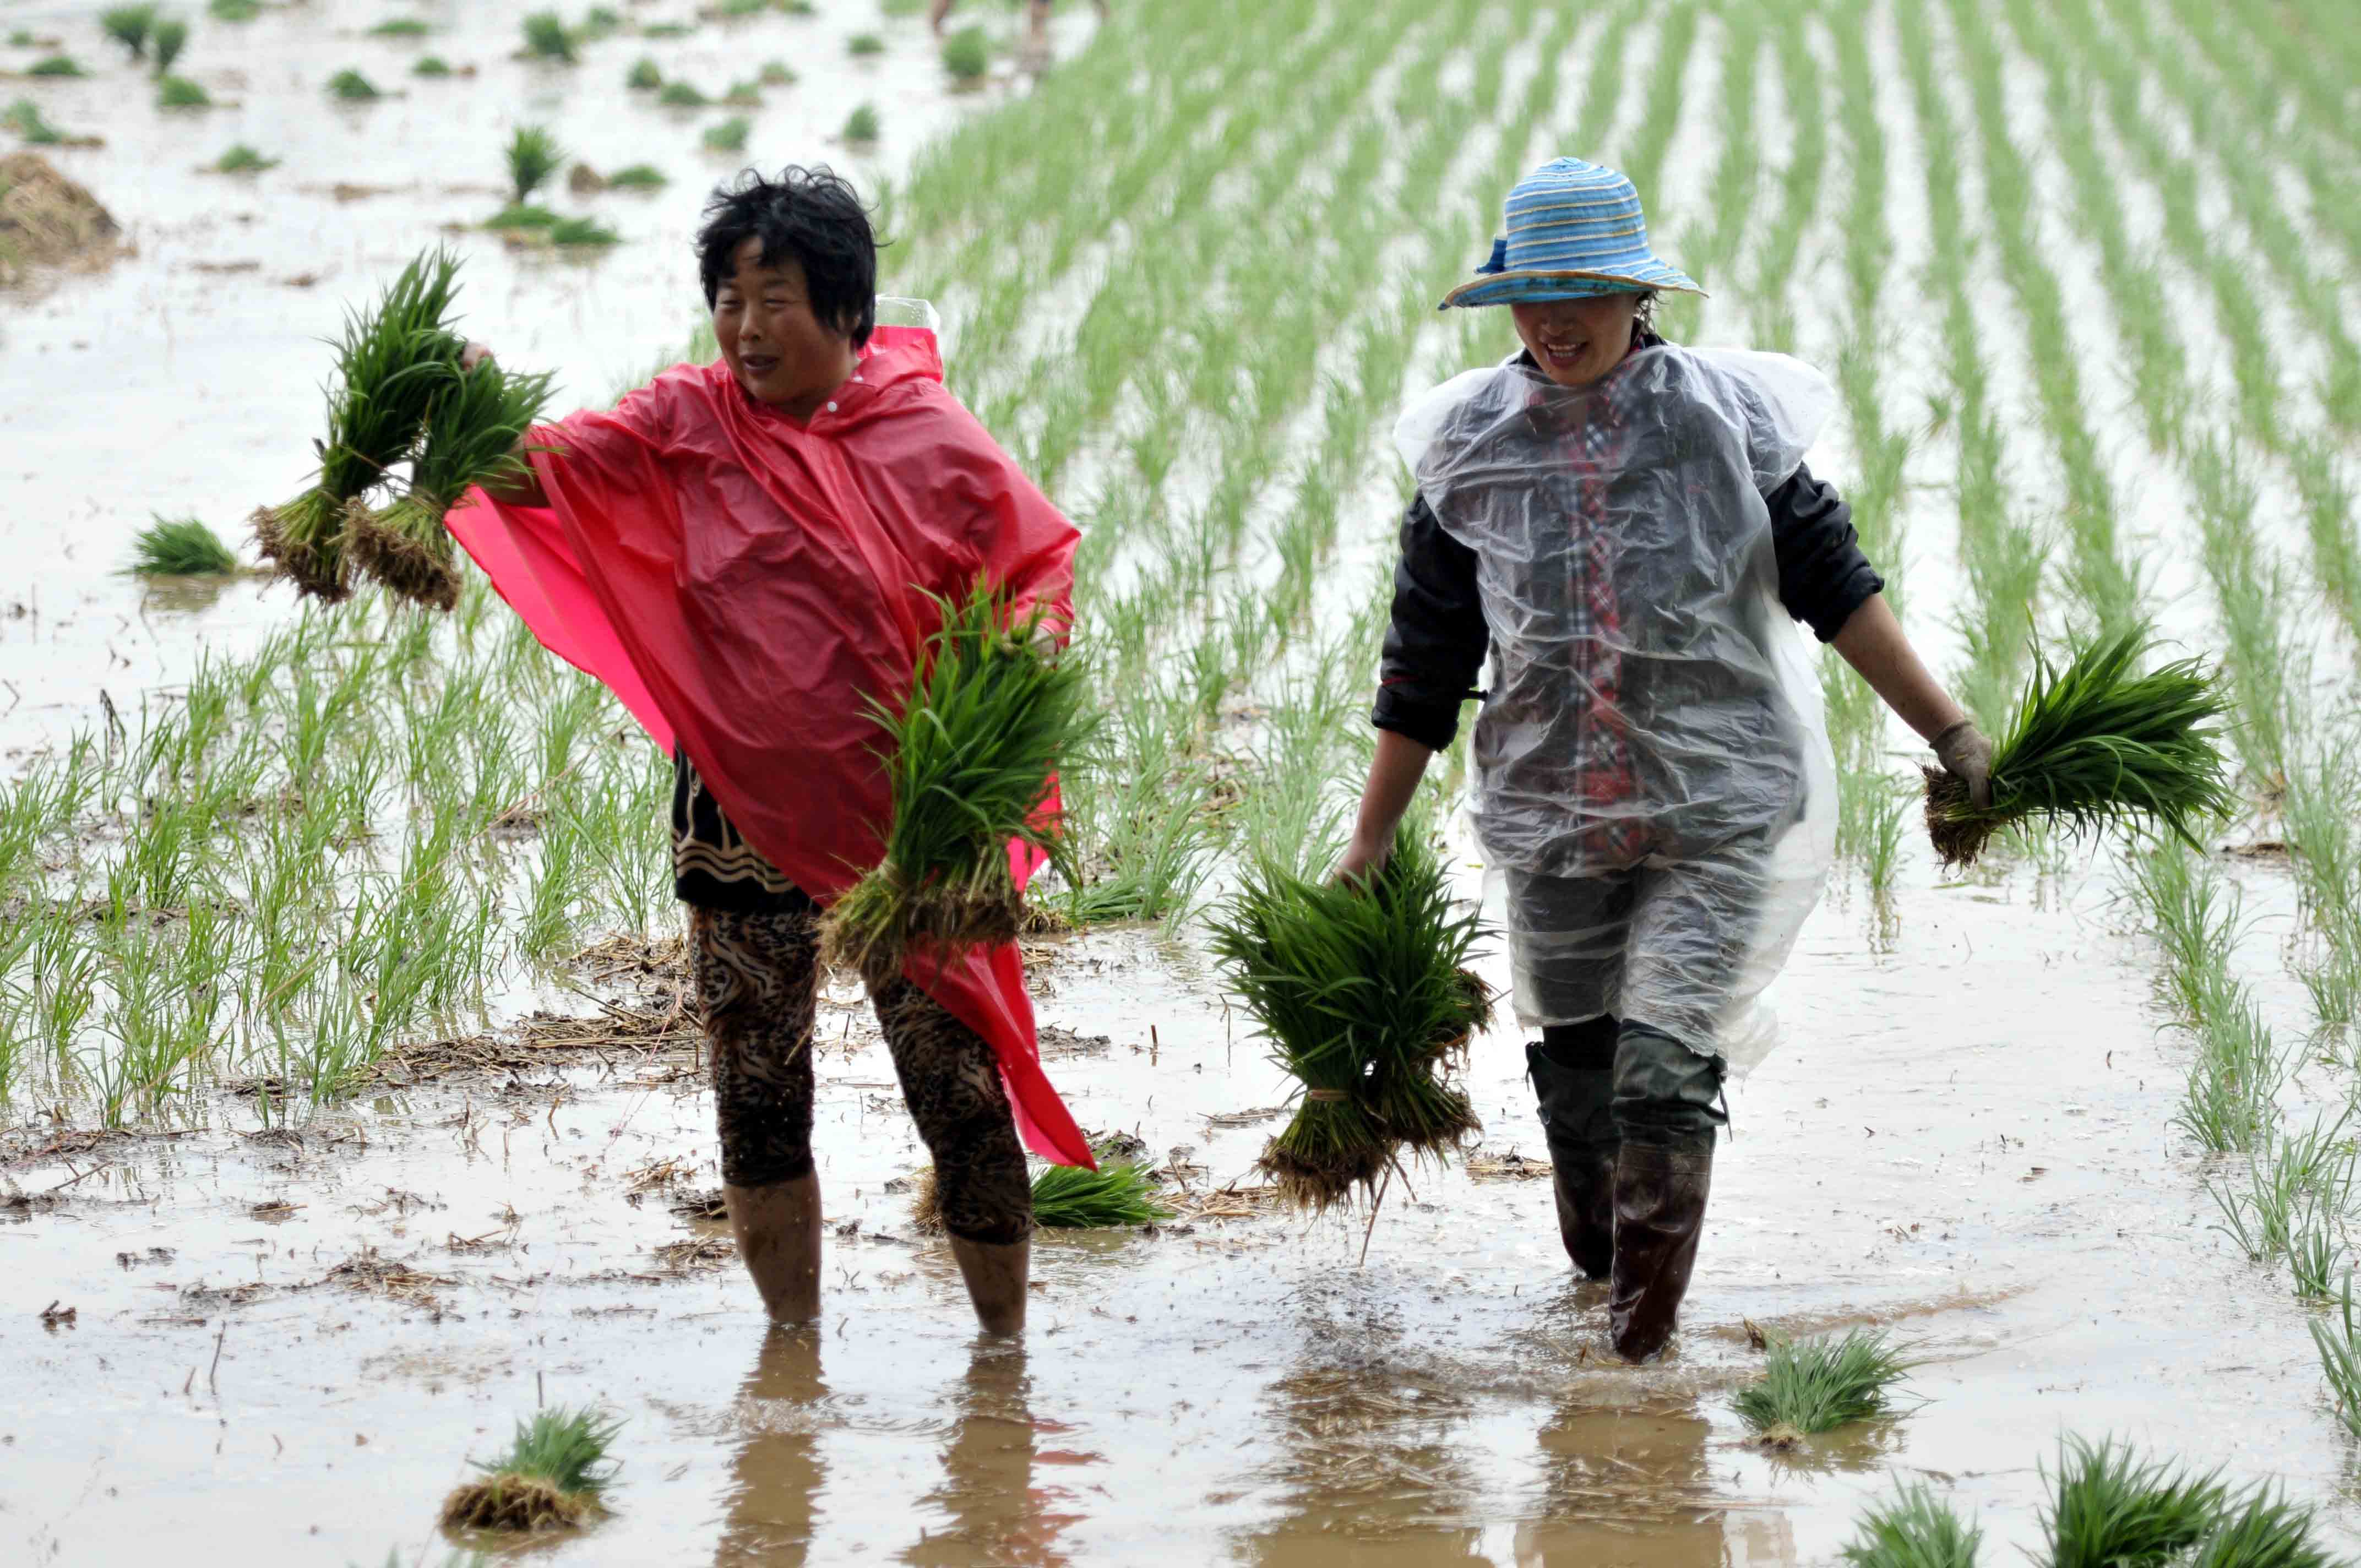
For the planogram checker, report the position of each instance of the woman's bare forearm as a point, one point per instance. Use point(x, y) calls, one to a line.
point(1873, 643)
point(1394, 775)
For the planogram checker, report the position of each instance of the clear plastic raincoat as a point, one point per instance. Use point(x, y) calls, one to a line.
point(1654, 787)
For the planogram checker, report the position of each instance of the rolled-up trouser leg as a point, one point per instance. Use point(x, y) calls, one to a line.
point(952, 1082)
point(1665, 1104)
point(758, 980)
point(1573, 1069)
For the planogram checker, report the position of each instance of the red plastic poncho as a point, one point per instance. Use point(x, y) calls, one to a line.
point(743, 583)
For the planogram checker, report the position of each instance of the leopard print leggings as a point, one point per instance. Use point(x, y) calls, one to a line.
point(758, 978)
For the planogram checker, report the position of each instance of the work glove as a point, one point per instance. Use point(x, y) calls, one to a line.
point(1966, 755)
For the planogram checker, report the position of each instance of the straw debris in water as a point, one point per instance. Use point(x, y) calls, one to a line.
point(2094, 745)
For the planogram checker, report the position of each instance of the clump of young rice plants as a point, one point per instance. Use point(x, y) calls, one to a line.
point(774, 73)
point(967, 55)
point(643, 76)
point(682, 95)
point(1365, 996)
point(181, 547)
point(862, 127)
point(637, 177)
point(1120, 1192)
point(23, 116)
point(431, 65)
point(1915, 1530)
point(401, 27)
point(234, 10)
point(533, 156)
point(2107, 1508)
point(166, 40)
point(992, 709)
point(2338, 1340)
point(546, 37)
point(129, 25)
point(391, 365)
point(524, 215)
point(555, 1474)
point(1816, 1386)
point(583, 233)
point(243, 159)
point(180, 93)
point(473, 421)
point(865, 45)
point(54, 65)
point(2097, 744)
point(352, 87)
point(729, 136)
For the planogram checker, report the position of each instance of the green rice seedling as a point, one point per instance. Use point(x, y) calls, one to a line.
point(638, 177)
point(401, 27)
point(1916, 1529)
point(180, 93)
point(234, 10)
point(352, 87)
point(2338, 1340)
point(747, 95)
point(643, 76)
point(992, 709)
point(474, 423)
point(129, 25)
point(601, 21)
point(729, 136)
point(243, 159)
point(2193, 915)
point(391, 364)
point(554, 1475)
point(54, 65)
point(1817, 1385)
point(774, 73)
point(431, 65)
point(24, 118)
point(166, 40)
point(181, 547)
point(865, 45)
point(2265, 1531)
point(1069, 1198)
point(1364, 994)
point(967, 55)
point(2316, 1251)
point(2236, 1073)
point(522, 216)
point(667, 30)
point(546, 37)
point(2095, 745)
point(582, 232)
point(533, 156)
point(2109, 1510)
point(681, 95)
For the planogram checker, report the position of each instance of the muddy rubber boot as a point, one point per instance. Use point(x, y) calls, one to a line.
point(997, 1273)
point(1580, 1130)
point(1660, 1195)
point(777, 1227)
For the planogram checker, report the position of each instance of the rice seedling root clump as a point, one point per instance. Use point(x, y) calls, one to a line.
point(992, 708)
point(554, 1476)
point(1366, 996)
point(2093, 745)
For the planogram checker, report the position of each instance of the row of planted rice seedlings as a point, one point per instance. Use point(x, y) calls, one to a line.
point(2098, 575)
point(2001, 553)
point(1712, 240)
point(1770, 297)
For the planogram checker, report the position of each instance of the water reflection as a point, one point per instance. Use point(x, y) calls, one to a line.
point(999, 1511)
point(778, 1471)
point(1636, 1487)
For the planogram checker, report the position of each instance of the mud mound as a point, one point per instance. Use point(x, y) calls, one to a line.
point(46, 220)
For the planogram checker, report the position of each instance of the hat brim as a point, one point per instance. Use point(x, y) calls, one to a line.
point(1536, 286)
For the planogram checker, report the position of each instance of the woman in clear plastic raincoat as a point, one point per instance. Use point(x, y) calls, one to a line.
point(1626, 526)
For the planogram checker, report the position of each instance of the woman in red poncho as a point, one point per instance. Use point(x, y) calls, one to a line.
point(744, 553)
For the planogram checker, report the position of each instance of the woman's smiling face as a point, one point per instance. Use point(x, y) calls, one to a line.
point(780, 352)
point(1575, 342)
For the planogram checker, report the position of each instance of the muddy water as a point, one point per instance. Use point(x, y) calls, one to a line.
point(1964, 1140)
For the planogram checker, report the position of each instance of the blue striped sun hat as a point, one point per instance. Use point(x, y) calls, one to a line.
point(1575, 230)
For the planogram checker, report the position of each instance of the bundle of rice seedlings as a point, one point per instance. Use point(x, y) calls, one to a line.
point(1916, 1529)
point(431, 65)
point(235, 10)
point(681, 95)
point(23, 116)
point(967, 55)
point(168, 38)
point(54, 65)
point(181, 547)
point(1817, 1385)
point(554, 1475)
point(392, 364)
point(865, 45)
point(643, 76)
point(862, 127)
point(533, 155)
point(526, 217)
point(992, 708)
point(2108, 1511)
point(180, 93)
point(1365, 994)
point(1119, 1192)
point(400, 28)
point(352, 87)
point(2094, 745)
point(546, 37)
point(471, 432)
point(243, 159)
point(582, 232)
point(729, 136)
point(2266, 1531)
point(129, 25)
point(637, 177)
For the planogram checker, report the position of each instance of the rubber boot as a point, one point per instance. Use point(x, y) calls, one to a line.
point(1660, 1196)
point(1579, 1126)
point(997, 1273)
point(777, 1227)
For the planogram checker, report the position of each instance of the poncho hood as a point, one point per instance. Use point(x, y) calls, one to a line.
point(743, 584)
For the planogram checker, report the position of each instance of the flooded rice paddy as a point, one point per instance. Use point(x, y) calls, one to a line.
point(270, 1318)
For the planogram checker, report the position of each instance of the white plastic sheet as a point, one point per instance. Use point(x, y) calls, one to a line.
point(1653, 784)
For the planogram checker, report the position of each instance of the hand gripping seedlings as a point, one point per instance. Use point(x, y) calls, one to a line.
point(2094, 745)
point(1365, 996)
point(472, 431)
point(554, 1476)
point(390, 366)
point(993, 707)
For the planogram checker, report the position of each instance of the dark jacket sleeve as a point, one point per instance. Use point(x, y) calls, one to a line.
point(1823, 575)
point(1436, 640)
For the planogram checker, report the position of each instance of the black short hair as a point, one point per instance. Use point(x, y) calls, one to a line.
point(812, 216)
